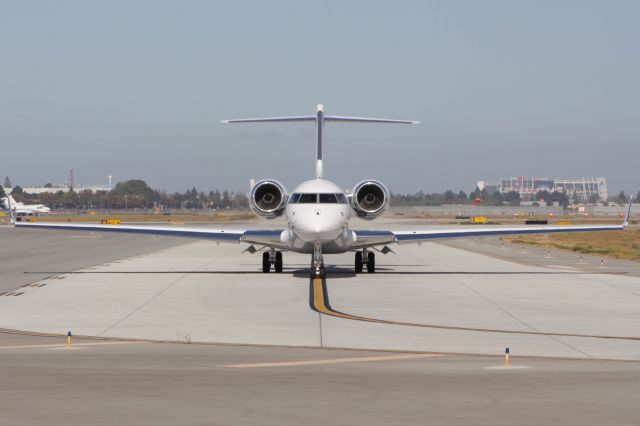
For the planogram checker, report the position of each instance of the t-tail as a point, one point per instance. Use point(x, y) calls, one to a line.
point(628, 213)
point(320, 119)
point(12, 212)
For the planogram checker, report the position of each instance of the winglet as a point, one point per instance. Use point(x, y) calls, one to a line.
point(626, 216)
point(12, 215)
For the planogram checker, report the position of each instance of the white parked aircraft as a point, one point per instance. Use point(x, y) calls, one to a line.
point(318, 213)
point(22, 209)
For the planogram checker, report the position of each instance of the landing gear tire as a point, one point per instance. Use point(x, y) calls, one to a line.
point(321, 273)
point(266, 262)
point(371, 262)
point(358, 263)
point(278, 264)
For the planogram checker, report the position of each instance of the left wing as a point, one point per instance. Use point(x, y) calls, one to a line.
point(267, 237)
point(374, 238)
point(405, 237)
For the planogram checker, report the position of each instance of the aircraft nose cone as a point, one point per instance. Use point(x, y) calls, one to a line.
point(319, 227)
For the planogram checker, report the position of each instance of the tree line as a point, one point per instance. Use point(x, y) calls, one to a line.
point(449, 197)
point(136, 194)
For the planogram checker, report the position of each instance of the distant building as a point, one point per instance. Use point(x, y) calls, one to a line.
point(71, 184)
point(63, 188)
point(578, 190)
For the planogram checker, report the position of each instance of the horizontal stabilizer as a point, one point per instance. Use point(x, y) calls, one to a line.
point(270, 119)
point(319, 119)
point(315, 118)
point(368, 120)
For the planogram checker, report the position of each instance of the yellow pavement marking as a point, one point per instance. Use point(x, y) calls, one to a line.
point(320, 306)
point(333, 361)
point(58, 345)
point(318, 302)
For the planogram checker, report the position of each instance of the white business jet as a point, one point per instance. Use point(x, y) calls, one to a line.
point(318, 213)
point(22, 209)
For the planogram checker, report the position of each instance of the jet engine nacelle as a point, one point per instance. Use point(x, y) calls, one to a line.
point(370, 199)
point(268, 198)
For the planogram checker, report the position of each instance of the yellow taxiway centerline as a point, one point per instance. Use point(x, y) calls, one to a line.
point(333, 361)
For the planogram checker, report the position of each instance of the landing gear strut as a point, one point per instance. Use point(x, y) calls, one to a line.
point(317, 262)
point(272, 257)
point(370, 261)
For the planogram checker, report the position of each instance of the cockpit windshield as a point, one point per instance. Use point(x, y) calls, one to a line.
point(328, 199)
point(302, 198)
point(308, 198)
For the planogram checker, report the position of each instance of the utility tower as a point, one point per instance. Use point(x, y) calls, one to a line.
point(71, 179)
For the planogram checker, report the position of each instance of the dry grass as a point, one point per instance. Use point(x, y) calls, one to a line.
point(616, 244)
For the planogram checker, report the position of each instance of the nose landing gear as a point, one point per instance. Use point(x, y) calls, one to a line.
point(272, 257)
point(317, 262)
point(370, 261)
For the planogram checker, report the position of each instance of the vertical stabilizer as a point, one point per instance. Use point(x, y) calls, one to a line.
point(320, 124)
point(628, 213)
point(12, 213)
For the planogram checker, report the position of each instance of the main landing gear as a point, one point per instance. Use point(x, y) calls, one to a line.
point(272, 257)
point(370, 261)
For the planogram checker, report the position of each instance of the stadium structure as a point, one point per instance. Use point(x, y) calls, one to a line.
point(578, 190)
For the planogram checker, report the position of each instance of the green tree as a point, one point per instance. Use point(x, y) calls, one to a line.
point(449, 196)
point(70, 199)
point(137, 192)
point(543, 197)
point(512, 198)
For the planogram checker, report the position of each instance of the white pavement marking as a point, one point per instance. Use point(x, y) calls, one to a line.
point(505, 367)
point(333, 361)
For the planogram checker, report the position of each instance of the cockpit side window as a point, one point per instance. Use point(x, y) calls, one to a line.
point(342, 199)
point(294, 198)
point(308, 198)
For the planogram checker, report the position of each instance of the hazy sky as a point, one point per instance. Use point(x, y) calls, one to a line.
point(136, 89)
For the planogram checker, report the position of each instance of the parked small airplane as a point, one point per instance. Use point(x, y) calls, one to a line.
point(318, 213)
point(22, 209)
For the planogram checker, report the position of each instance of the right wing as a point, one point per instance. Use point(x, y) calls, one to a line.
point(266, 237)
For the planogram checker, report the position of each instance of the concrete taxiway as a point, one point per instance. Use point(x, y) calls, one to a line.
point(428, 298)
point(32, 251)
